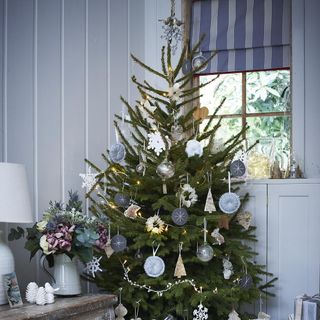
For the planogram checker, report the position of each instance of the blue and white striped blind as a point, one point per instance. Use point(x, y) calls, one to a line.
point(248, 34)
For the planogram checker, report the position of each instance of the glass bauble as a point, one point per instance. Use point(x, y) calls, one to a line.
point(205, 253)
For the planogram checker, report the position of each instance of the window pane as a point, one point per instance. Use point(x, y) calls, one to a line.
point(268, 91)
point(226, 85)
point(228, 128)
point(274, 138)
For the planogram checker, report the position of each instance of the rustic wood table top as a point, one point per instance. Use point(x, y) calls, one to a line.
point(80, 307)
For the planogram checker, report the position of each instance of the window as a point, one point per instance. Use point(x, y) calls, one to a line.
point(261, 100)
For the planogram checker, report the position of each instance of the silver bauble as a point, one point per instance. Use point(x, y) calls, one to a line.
point(140, 168)
point(197, 61)
point(177, 133)
point(205, 253)
point(165, 170)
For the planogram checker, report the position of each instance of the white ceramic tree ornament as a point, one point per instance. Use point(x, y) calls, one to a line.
point(31, 292)
point(233, 315)
point(180, 270)
point(209, 206)
point(41, 296)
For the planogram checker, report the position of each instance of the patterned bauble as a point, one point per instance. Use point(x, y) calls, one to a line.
point(229, 202)
point(246, 282)
point(165, 169)
point(237, 168)
point(180, 216)
point(199, 60)
point(122, 200)
point(118, 243)
point(154, 266)
point(186, 67)
point(117, 152)
point(205, 253)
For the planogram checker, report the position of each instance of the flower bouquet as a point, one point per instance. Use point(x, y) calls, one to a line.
point(64, 229)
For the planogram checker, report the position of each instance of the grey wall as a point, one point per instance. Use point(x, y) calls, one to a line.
point(63, 66)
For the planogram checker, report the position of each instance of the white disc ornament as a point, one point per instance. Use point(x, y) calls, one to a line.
point(199, 60)
point(117, 152)
point(180, 216)
point(154, 266)
point(118, 243)
point(122, 200)
point(194, 148)
point(237, 168)
point(201, 313)
point(229, 202)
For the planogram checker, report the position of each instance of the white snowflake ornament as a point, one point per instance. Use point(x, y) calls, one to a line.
point(156, 142)
point(233, 315)
point(93, 266)
point(89, 179)
point(201, 313)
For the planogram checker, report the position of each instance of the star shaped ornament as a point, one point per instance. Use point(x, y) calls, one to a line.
point(201, 313)
point(89, 179)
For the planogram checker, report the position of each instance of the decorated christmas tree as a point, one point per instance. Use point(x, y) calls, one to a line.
point(178, 241)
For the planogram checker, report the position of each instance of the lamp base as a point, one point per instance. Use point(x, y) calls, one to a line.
point(6, 266)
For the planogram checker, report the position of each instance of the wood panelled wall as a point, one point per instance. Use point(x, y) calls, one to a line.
point(63, 66)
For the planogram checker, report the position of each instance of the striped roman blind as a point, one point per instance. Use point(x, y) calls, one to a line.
point(248, 34)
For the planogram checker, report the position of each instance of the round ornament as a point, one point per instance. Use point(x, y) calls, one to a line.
point(246, 282)
point(194, 148)
point(117, 152)
point(237, 168)
point(165, 169)
point(155, 225)
point(186, 67)
point(180, 216)
point(229, 202)
point(205, 252)
point(154, 266)
point(122, 200)
point(138, 255)
point(140, 168)
point(199, 60)
point(169, 317)
point(177, 132)
point(118, 243)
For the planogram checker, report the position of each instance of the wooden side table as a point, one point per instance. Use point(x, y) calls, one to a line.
point(87, 307)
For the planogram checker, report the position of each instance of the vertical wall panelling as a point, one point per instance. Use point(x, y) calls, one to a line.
point(119, 54)
point(62, 189)
point(97, 81)
point(4, 78)
point(298, 81)
point(74, 92)
point(20, 106)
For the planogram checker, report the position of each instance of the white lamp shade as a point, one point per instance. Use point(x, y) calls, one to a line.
point(14, 194)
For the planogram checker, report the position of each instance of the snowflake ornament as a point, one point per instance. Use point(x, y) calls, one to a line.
point(201, 313)
point(89, 179)
point(93, 266)
point(156, 142)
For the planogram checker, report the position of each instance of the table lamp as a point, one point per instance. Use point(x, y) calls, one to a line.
point(14, 207)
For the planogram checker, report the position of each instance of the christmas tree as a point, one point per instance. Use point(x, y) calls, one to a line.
point(178, 237)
